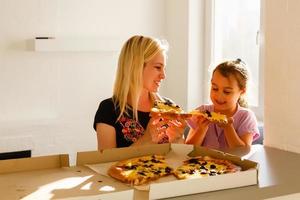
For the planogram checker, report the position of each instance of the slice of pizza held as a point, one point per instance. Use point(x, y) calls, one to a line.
point(211, 116)
point(166, 106)
point(169, 108)
point(140, 170)
point(198, 167)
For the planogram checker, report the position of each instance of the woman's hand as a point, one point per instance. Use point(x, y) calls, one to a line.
point(166, 128)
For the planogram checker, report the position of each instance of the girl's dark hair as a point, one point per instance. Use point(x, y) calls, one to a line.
point(238, 69)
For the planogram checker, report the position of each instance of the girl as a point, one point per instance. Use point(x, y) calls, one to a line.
point(123, 119)
point(228, 86)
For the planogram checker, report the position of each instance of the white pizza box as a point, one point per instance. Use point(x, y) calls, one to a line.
point(51, 177)
point(175, 153)
point(248, 176)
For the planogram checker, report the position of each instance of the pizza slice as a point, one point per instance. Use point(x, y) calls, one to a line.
point(140, 170)
point(198, 167)
point(211, 116)
point(166, 106)
point(170, 109)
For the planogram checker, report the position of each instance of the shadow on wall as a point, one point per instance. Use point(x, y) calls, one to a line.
point(258, 141)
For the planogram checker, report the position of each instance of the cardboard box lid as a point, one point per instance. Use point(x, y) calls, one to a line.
point(34, 163)
point(61, 183)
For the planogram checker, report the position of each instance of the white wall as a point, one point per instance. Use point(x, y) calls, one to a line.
point(185, 33)
point(281, 62)
point(48, 99)
point(175, 84)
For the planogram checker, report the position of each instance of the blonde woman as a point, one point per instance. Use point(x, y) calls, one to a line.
point(123, 120)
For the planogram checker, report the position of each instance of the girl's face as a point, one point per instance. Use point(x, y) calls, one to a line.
point(154, 72)
point(224, 93)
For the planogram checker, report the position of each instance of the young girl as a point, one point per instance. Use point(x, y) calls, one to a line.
point(228, 86)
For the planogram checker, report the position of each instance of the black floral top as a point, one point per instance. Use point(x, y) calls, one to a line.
point(127, 129)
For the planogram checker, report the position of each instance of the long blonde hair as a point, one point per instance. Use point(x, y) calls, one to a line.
point(135, 53)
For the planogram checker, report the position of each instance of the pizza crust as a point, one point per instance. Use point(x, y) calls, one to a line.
point(116, 172)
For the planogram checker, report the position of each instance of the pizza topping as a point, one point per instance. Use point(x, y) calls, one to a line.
point(140, 170)
point(195, 161)
point(130, 167)
point(155, 161)
point(208, 113)
point(137, 171)
point(211, 116)
point(204, 166)
point(166, 106)
point(213, 166)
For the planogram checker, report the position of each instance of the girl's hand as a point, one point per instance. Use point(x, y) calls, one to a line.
point(230, 122)
point(199, 126)
point(199, 122)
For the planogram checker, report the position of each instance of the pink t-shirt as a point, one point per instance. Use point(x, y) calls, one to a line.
point(244, 121)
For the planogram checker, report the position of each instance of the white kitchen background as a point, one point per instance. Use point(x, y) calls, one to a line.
point(49, 98)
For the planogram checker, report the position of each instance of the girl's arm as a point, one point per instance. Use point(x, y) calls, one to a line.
point(106, 136)
point(233, 139)
point(197, 135)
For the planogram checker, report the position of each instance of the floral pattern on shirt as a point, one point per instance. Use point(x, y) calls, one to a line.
point(132, 130)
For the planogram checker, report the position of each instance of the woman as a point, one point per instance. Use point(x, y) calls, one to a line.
point(123, 120)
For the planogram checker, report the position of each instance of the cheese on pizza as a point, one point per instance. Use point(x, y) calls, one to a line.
point(141, 170)
point(203, 167)
point(166, 106)
point(169, 108)
point(212, 116)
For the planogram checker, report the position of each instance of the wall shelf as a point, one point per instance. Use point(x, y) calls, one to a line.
point(52, 44)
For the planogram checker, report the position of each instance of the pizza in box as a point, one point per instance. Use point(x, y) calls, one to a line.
point(144, 169)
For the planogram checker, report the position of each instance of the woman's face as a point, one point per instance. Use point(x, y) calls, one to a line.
point(224, 93)
point(154, 72)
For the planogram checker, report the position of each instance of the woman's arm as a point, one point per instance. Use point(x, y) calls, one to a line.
point(106, 136)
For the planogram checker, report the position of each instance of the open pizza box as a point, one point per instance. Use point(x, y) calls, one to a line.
point(175, 153)
point(51, 177)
